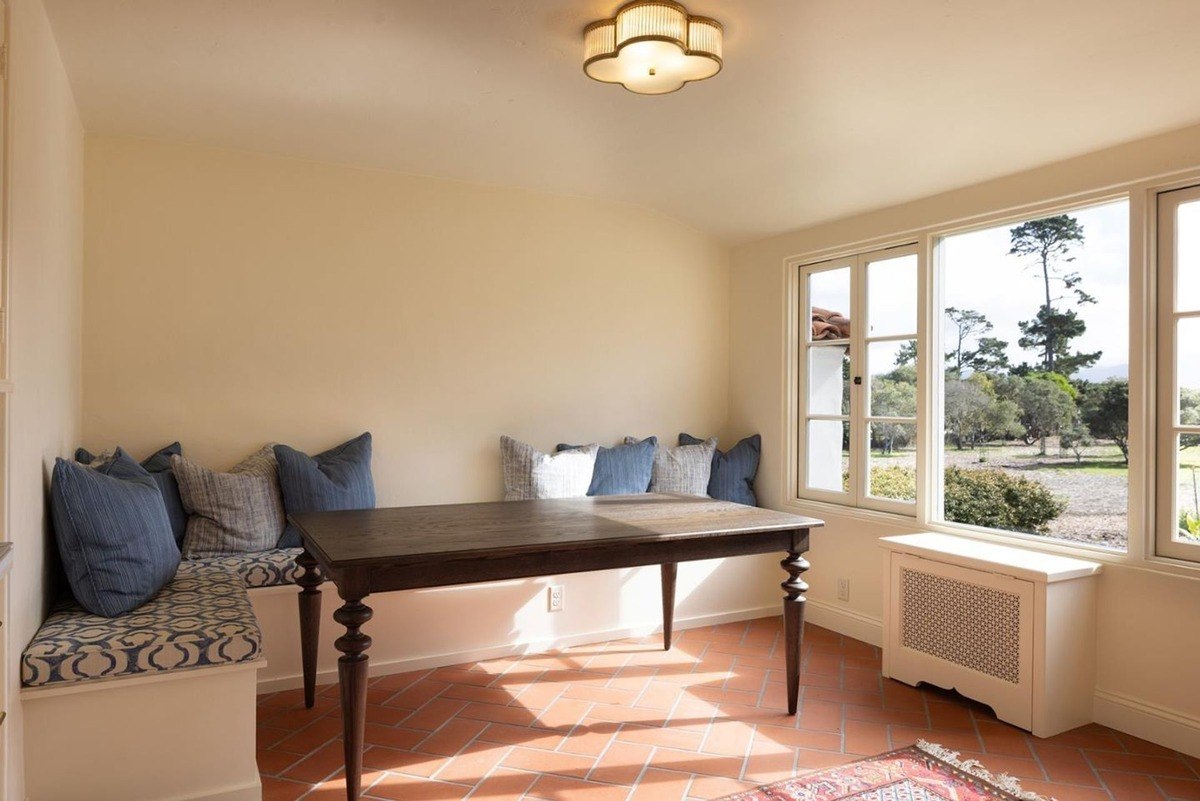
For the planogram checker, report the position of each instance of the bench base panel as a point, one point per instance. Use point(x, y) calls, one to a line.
point(182, 736)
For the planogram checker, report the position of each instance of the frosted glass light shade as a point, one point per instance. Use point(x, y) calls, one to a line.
point(652, 47)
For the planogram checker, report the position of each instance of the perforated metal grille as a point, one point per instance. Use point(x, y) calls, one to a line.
point(969, 625)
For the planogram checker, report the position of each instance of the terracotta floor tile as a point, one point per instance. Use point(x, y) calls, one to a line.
point(411, 788)
point(555, 762)
point(1139, 763)
point(561, 788)
point(410, 762)
point(392, 736)
point(1131, 786)
point(1180, 789)
point(471, 764)
point(622, 763)
point(662, 785)
point(504, 784)
point(318, 765)
point(282, 789)
point(706, 787)
point(701, 721)
point(1066, 765)
point(521, 735)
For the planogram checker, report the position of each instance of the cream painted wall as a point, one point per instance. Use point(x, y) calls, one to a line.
point(1149, 622)
point(45, 250)
point(234, 298)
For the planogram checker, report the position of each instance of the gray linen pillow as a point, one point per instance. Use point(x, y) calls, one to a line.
point(235, 512)
point(530, 474)
point(684, 469)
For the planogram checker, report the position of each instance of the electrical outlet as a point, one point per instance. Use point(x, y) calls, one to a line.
point(555, 593)
point(844, 589)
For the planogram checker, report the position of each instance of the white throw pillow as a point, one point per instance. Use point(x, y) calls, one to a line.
point(684, 469)
point(530, 474)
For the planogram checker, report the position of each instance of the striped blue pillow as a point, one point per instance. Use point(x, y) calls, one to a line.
point(113, 534)
point(339, 478)
point(733, 471)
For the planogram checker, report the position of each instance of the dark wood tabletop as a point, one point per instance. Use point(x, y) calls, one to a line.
point(415, 534)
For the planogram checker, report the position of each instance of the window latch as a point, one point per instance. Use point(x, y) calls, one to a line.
point(858, 380)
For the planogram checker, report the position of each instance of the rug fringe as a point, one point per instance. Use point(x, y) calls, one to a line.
point(1009, 784)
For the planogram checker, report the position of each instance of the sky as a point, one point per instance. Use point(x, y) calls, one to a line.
point(980, 275)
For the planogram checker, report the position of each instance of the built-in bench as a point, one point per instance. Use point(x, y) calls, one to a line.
point(155, 704)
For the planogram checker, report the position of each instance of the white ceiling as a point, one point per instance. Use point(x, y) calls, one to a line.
point(824, 108)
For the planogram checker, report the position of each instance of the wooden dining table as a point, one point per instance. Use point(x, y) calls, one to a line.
point(384, 550)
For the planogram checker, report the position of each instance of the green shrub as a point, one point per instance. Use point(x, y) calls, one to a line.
point(894, 482)
point(1189, 525)
point(995, 499)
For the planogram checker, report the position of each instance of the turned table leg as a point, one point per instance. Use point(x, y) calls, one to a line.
point(793, 621)
point(668, 601)
point(352, 675)
point(310, 580)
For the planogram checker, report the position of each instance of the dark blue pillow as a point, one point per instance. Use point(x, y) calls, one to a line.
point(733, 471)
point(622, 469)
point(158, 465)
point(113, 534)
point(339, 478)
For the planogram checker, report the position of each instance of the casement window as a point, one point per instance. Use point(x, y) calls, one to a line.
point(1034, 376)
point(1178, 463)
point(859, 390)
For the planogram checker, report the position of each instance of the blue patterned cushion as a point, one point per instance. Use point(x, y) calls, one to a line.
point(339, 478)
point(113, 534)
point(733, 471)
point(623, 469)
point(200, 619)
point(261, 568)
point(158, 465)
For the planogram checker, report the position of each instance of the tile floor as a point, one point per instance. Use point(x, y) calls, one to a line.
point(626, 721)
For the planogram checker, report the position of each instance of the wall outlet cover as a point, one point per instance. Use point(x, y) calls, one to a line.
point(555, 597)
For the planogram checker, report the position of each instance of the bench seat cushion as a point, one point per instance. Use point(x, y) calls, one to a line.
point(261, 568)
point(202, 618)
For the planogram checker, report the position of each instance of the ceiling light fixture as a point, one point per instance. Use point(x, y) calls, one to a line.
point(652, 47)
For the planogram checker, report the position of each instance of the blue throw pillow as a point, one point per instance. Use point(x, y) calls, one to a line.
point(339, 478)
point(113, 534)
point(158, 465)
point(623, 469)
point(733, 471)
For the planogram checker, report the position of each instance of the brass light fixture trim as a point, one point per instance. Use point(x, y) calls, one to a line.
point(653, 47)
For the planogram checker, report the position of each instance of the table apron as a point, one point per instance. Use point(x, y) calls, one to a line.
point(387, 578)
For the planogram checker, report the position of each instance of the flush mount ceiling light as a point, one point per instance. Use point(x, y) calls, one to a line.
point(652, 47)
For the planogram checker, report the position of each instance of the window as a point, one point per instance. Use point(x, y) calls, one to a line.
point(1178, 524)
point(1035, 381)
point(858, 380)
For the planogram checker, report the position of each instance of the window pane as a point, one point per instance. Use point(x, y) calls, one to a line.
point(1187, 366)
point(829, 379)
point(1035, 380)
point(892, 296)
point(893, 371)
point(829, 299)
point(1187, 489)
point(828, 456)
point(1187, 257)
point(893, 461)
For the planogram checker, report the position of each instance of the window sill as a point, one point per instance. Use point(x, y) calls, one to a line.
point(1153, 564)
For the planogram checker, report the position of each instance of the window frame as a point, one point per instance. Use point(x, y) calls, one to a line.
point(1167, 377)
point(1141, 192)
point(859, 417)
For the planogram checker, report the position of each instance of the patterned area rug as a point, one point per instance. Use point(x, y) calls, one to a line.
point(923, 772)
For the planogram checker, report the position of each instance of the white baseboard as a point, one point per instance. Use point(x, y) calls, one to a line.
point(845, 621)
point(1148, 721)
point(385, 668)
